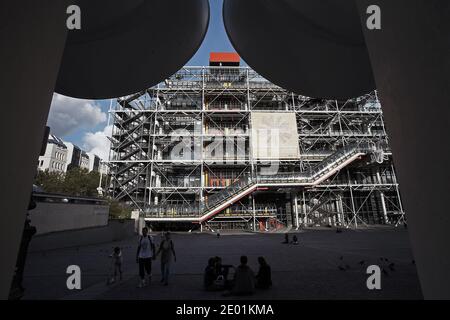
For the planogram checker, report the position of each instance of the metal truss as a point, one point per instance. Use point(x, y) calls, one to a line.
point(199, 108)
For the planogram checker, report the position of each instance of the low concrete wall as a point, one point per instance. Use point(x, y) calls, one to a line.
point(59, 213)
point(116, 230)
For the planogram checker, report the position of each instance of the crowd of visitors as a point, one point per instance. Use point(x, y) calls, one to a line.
point(240, 280)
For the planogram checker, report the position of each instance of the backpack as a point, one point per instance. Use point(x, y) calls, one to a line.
point(149, 239)
point(151, 244)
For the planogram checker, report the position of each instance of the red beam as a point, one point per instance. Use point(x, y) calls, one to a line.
point(224, 57)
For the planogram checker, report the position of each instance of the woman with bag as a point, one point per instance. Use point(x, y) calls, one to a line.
point(167, 249)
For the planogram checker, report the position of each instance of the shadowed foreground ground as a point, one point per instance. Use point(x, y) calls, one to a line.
point(309, 270)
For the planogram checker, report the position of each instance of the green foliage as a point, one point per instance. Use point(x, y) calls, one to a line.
point(80, 182)
point(119, 210)
point(52, 182)
point(75, 182)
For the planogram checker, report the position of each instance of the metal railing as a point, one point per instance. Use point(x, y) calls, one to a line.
point(246, 181)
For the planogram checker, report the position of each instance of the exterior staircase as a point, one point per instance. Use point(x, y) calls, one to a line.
point(247, 184)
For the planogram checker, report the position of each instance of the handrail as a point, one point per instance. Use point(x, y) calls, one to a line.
point(246, 181)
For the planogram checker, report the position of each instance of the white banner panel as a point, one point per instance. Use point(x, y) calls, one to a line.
point(274, 135)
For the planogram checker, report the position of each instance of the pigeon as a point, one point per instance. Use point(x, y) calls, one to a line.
point(341, 268)
point(341, 258)
point(391, 266)
point(362, 262)
point(384, 271)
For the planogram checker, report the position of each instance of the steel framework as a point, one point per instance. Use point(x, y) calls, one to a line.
point(164, 155)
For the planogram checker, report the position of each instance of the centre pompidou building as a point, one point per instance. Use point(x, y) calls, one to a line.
point(220, 147)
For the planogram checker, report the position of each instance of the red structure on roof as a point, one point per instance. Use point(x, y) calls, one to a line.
point(224, 59)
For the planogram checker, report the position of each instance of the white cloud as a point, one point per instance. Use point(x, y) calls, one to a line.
point(98, 143)
point(69, 114)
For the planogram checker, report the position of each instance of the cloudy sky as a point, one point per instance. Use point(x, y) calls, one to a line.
point(85, 122)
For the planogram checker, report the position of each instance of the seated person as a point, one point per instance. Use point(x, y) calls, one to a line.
point(210, 275)
point(264, 276)
point(244, 279)
point(223, 270)
point(294, 240)
point(286, 238)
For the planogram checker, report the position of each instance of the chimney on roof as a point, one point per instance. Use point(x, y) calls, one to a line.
point(224, 59)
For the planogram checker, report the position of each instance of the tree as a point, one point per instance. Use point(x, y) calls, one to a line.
point(119, 210)
point(75, 182)
point(80, 182)
point(51, 182)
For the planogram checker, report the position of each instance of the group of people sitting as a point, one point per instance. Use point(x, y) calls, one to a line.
point(286, 239)
point(244, 281)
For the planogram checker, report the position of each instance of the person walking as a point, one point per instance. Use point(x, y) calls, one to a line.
point(117, 261)
point(167, 249)
point(144, 256)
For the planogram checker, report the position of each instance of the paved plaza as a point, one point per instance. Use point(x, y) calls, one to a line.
point(310, 270)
